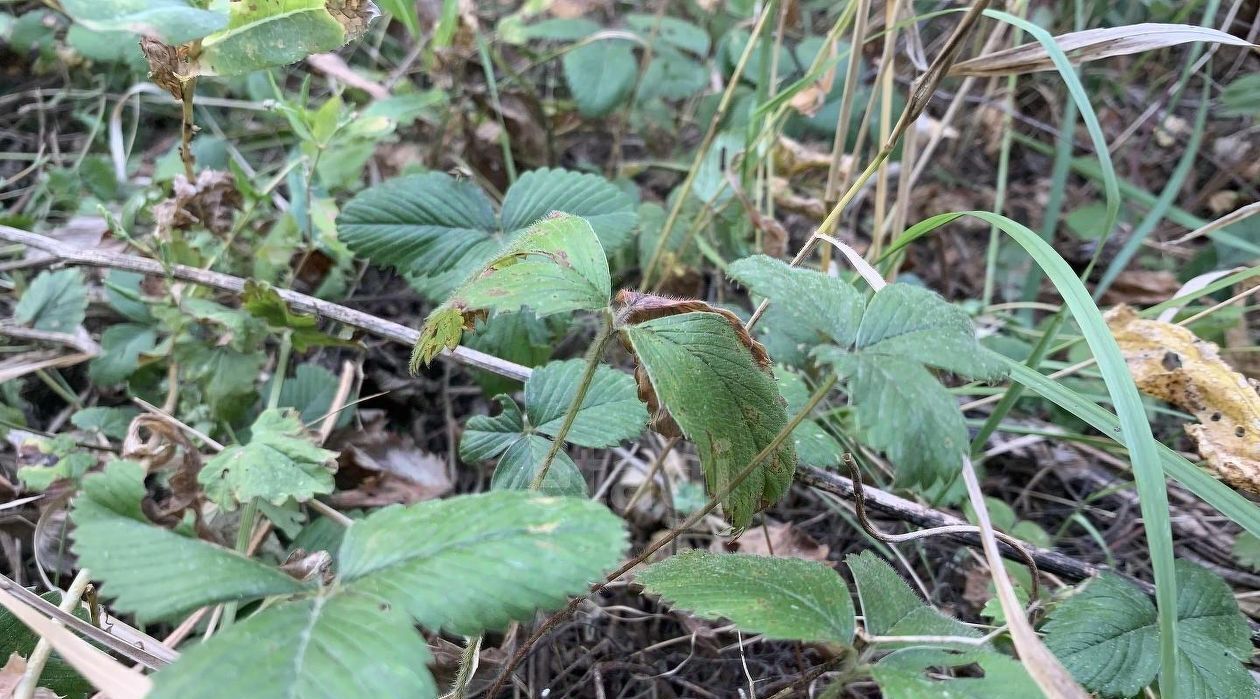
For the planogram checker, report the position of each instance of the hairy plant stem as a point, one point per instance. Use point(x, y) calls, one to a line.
point(249, 515)
point(186, 128)
point(468, 660)
point(593, 354)
point(821, 392)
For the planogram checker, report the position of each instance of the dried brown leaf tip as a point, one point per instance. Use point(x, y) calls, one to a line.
point(639, 307)
point(167, 65)
point(353, 15)
point(1170, 363)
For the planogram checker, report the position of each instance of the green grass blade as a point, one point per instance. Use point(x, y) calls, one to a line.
point(1111, 184)
point(1147, 469)
point(1222, 283)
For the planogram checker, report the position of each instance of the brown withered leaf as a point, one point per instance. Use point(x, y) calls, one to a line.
point(211, 202)
point(1170, 363)
point(784, 540)
point(11, 676)
point(154, 441)
point(315, 566)
point(638, 307)
point(791, 157)
point(789, 200)
point(1091, 45)
point(378, 468)
point(353, 15)
point(166, 65)
point(1142, 287)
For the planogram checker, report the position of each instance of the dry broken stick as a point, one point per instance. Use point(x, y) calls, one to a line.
point(368, 323)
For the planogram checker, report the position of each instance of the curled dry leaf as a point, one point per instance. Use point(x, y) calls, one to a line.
point(211, 202)
point(1091, 45)
point(638, 307)
point(315, 566)
point(167, 65)
point(789, 200)
point(154, 441)
point(1170, 363)
point(791, 157)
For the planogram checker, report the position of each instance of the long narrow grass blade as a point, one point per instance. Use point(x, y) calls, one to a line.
point(1147, 469)
point(1107, 171)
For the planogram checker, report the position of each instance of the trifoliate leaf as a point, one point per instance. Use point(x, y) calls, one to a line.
point(486, 437)
point(111, 422)
point(891, 608)
point(1107, 635)
point(154, 572)
point(784, 598)
point(889, 393)
point(610, 413)
point(266, 33)
point(908, 321)
point(121, 348)
point(600, 75)
point(172, 21)
point(832, 312)
point(424, 225)
point(557, 266)
point(55, 302)
point(915, 673)
point(438, 230)
point(261, 300)
point(537, 193)
point(279, 462)
point(723, 401)
point(520, 463)
point(337, 644)
point(483, 560)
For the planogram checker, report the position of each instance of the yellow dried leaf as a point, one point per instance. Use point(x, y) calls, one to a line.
point(1170, 363)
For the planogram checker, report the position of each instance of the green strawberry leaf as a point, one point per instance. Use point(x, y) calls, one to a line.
point(279, 462)
point(784, 598)
point(722, 400)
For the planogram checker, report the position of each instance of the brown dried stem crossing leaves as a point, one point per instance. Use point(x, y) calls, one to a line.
point(1170, 363)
